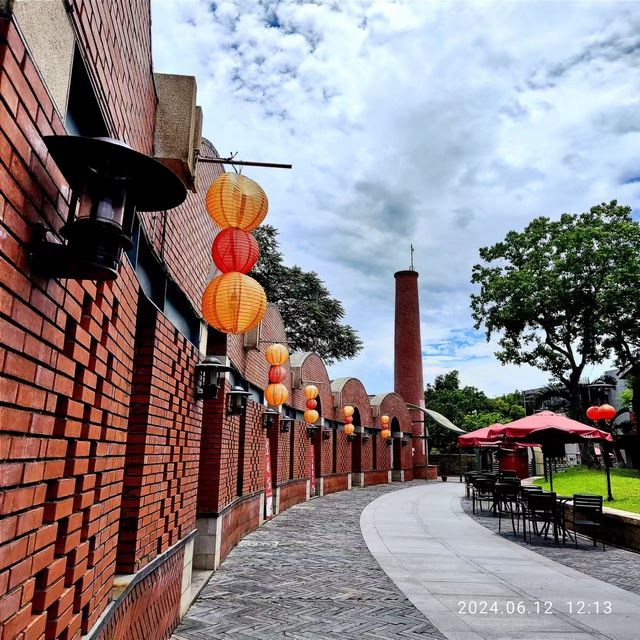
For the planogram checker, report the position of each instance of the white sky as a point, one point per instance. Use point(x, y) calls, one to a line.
point(442, 124)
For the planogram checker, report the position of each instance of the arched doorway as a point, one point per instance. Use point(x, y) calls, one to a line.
point(396, 451)
point(317, 444)
point(356, 445)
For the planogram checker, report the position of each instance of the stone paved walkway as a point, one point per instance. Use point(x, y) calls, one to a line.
point(475, 585)
point(307, 574)
point(615, 566)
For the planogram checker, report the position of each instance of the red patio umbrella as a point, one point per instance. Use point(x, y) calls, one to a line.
point(549, 429)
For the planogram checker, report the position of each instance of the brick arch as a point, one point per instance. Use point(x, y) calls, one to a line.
point(393, 405)
point(251, 363)
point(312, 371)
point(351, 391)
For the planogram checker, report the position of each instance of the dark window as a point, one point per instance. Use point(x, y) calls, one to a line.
point(83, 113)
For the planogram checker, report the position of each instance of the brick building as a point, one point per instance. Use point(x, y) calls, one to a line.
point(118, 485)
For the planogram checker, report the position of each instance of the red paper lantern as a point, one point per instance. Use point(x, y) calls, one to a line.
point(235, 250)
point(593, 413)
point(277, 374)
point(311, 403)
point(607, 412)
point(348, 420)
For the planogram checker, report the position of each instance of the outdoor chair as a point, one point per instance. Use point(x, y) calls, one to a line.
point(541, 508)
point(515, 482)
point(503, 475)
point(586, 514)
point(482, 492)
point(505, 500)
point(468, 478)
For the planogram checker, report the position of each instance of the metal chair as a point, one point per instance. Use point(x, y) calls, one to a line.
point(505, 500)
point(542, 507)
point(482, 492)
point(587, 514)
point(468, 477)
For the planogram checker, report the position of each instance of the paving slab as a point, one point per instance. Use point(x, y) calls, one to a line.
point(501, 589)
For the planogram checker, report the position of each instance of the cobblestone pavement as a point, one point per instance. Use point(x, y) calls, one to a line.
point(307, 574)
point(615, 566)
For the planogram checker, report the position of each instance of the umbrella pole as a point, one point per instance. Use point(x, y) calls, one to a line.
point(460, 463)
point(550, 474)
point(607, 471)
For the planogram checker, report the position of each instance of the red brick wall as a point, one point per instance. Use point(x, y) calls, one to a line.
point(66, 368)
point(344, 453)
point(253, 468)
point(151, 608)
point(383, 453)
point(375, 477)
point(301, 450)
point(366, 454)
point(119, 62)
point(292, 493)
point(239, 520)
point(334, 483)
point(163, 439)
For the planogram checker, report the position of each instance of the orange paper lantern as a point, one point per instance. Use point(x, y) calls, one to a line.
point(348, 410)
point(311, 416)
point(385, 433)
point(236, 201)
point(234, 303)
point(276, 394)
point(276, 354)
point(349, 429)
point(311, 391)
point(384, 420)
point(235, 250)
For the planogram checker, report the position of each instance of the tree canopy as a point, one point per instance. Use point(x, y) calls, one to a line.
point(467, 407)
point(563, 294)
point(312, 318)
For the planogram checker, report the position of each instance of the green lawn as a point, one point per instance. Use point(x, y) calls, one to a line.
point(625, 485)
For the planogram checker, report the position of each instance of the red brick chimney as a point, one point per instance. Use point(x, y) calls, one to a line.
point(408, 381)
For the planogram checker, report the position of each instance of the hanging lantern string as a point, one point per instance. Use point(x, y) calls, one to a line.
point(244, 163)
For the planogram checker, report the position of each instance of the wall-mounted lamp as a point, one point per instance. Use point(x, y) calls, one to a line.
point(311, 430)
point(109, 181)
point(405, 440)
point(237, 401)
point(285, 423)
point(209, 377)
point(269, 418)
point(365, 437)
point(326, 434)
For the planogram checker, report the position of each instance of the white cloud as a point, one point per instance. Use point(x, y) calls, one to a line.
point(439, 124)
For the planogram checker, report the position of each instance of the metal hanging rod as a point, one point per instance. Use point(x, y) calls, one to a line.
point(244, 163)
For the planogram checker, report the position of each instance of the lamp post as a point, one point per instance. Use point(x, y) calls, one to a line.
point(604, 412)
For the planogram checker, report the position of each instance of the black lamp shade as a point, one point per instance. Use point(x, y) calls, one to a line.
point(208, 377)
point(109, 181)
point(237, 401)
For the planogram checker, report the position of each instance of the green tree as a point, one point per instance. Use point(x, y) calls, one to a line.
point(312, 318)
point(467, 407)
point(563, 294)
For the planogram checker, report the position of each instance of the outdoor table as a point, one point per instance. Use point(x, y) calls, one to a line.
point(562, 501)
